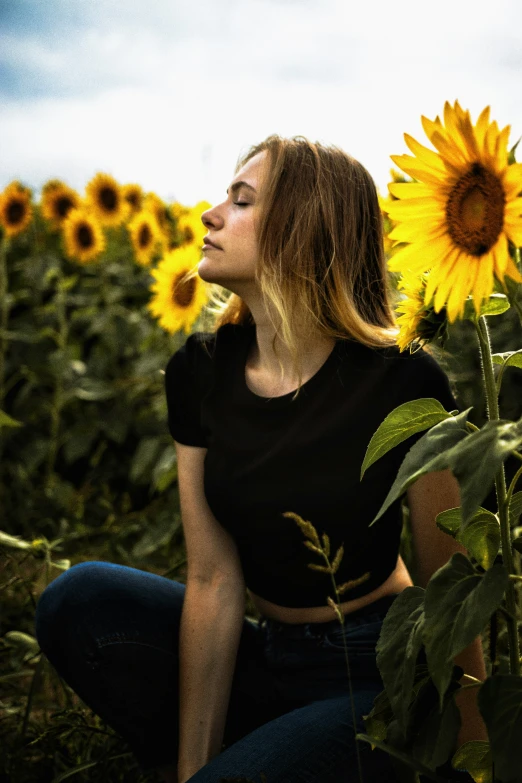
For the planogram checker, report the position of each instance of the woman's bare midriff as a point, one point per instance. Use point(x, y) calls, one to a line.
point(396, 583)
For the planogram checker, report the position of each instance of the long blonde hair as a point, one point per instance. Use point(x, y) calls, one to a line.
point(321, 263)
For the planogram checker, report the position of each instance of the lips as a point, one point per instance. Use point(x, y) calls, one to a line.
point(208, 241)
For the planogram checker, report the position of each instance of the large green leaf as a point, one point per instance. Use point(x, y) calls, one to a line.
point(437, 728)
point(397, 649)
point(475, 757)
point(473, 458)
point(481, 537)
point(403, 422)
point(500, 703)
point(457, 606)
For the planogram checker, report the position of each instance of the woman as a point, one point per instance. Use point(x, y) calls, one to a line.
point(271, 413)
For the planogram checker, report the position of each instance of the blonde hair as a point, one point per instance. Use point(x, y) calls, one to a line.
point(321, 263)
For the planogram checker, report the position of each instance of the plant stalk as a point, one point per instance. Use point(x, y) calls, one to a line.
point(4, 318)
point(500, 488)
point(57, 400)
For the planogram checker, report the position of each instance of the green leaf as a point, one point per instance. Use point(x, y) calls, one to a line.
point(473, 458)
point(496, 304)
point(475, 757)
point(397, 649)
point(403, 422)
point(500, 703)
point(381, 715)
point(511, 157)
point(509, 358)
point(437, 729)
point(7, 421)
point(144, 457)
point(481, 537)
point(157, 534)
point(515, 508)
point(458, 604)
point(93, 389)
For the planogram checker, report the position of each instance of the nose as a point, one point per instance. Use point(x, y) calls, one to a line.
point(210, 218)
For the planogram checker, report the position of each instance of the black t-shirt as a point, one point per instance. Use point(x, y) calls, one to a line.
point(266, 456)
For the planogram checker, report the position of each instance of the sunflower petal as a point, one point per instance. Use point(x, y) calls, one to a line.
point(431, 158)
point(407, 190)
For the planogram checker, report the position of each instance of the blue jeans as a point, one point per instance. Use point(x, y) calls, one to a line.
point(111, 632)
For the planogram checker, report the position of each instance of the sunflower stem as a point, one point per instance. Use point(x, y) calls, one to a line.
point(57, 400)
point(500, 488)
point(4, 318)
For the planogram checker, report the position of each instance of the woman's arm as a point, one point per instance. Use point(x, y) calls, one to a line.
point(211, 624)
point(428, 496)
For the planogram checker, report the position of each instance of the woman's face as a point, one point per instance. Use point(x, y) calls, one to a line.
point(231, 226)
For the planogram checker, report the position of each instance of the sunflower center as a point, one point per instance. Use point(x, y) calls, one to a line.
point(183, 293)
point(15, 212)
point(63, 205)
point(188, 233)
point(133, 199)
point(144, 236)
point(85, 236)
point(109, 199)
point(475, 210)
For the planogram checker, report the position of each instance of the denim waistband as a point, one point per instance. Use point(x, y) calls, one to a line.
point(380, 606)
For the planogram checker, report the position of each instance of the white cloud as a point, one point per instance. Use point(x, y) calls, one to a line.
point(157, 94)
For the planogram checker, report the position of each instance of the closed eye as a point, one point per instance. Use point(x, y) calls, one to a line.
point(241, 203)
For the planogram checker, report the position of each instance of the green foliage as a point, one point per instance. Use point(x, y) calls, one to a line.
point(481, 537)
point(457, 605)
point(500, 702)
point(449, 445)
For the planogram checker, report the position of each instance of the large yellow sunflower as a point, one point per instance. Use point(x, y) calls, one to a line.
point(179, 294)
point(15, 208)
point(145, 235)
point(105, 197)
point(57, 201)
point(461, 213)
point(83, 236)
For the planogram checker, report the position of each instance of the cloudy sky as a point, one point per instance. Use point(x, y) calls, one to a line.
point(168, 93)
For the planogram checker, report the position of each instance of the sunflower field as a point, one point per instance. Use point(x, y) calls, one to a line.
point(98, 290)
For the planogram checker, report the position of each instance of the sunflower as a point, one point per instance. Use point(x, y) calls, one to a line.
point(133, 195)
point(461, 213)
point(105, 197)
point(191, 229)
point(15, 208)
point(159, 209)
point(178, 302)
point(57, 201)
point(144, 234)
point(418, 321)
point(83, 235)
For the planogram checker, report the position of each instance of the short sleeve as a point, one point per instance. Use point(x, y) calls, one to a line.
point(183, 396)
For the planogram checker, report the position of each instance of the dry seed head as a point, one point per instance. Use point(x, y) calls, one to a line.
point(326, 544)
point(313, 547)
point(307, 527)
point(336, 609)
point(353, 583)
point(324, 569)
point(337, 560)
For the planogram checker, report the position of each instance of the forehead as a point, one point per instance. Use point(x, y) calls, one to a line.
point(253, 169)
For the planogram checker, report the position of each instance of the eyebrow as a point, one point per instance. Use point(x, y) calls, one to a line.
point(237, 185)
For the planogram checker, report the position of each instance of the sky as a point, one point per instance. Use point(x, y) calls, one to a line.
point(169, 93)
